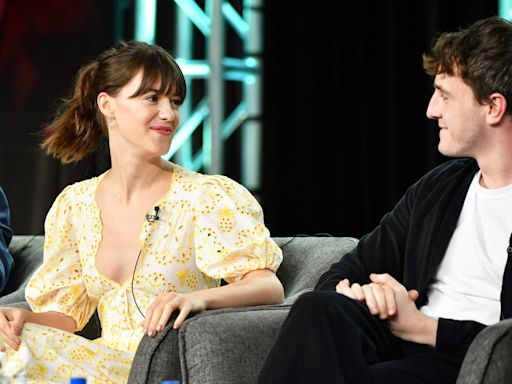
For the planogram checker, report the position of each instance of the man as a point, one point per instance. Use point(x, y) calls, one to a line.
point(404, 306)
point(6, 260)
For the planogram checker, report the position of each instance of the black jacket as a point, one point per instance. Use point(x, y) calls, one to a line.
point(411, 241)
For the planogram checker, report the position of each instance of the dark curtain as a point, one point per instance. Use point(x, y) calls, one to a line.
point(42, 45)
point(345, 130)
point(345, 100)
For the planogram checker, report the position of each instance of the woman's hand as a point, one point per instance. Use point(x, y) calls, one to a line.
point(255, 288)
point(11, 324)
point(160, 311)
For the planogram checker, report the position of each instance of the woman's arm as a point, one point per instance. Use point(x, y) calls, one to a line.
point(255, 288)
point(52, 319)
point(13, 319)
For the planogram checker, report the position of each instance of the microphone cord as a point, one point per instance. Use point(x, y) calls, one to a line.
point(133, 277)
point(151, 219)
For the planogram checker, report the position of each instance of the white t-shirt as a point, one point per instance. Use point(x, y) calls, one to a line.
point(467, 285)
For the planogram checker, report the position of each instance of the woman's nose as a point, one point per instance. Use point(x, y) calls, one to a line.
point(166, 111)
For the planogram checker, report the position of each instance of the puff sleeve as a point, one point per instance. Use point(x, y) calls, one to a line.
point(230, 236)
point(57, 285)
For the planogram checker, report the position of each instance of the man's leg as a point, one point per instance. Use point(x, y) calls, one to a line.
point(328, 338)
point(421, 364)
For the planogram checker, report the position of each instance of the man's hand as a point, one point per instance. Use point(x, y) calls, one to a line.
point(389, 299)
point(379, 298)
point(408, 323)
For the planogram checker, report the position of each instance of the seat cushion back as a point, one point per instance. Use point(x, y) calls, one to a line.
point(306, 258)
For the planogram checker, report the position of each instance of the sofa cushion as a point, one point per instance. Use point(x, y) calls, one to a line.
point(27, 252)
point(306, 258)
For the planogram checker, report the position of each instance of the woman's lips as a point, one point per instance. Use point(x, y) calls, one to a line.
point(162, 130)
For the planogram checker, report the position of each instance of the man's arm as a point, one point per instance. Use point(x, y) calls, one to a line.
point(388, 299)
point(6, 260)
point(408, 323)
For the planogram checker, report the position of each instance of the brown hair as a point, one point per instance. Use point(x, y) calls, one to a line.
point(480, 54)
point(79, 125)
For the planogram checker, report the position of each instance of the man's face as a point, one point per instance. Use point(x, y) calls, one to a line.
point(460, 117)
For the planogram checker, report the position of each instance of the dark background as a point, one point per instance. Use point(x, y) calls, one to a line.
point(345, 96)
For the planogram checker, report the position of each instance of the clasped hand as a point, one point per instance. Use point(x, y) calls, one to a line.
point(161, 310)
point(390, 300)
point(11, 324)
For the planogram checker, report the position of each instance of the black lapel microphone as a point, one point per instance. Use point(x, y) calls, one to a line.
point(153, 217)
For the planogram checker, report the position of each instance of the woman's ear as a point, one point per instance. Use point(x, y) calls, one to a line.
point(497, 108)
point(105, 104)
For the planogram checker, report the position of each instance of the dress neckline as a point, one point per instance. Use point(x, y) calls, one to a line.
point(143, 233)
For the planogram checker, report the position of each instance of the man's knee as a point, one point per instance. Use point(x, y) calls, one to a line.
point(324, 302)
point(316, 300)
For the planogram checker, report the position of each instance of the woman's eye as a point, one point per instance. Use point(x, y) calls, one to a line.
point(152, 98)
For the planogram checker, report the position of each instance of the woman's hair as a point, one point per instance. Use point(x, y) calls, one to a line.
point(79, 125)
point(480, 54)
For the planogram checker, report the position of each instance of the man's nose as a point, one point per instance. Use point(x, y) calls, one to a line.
point(433, 111)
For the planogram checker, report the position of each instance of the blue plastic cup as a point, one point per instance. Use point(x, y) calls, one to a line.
point(78, 380)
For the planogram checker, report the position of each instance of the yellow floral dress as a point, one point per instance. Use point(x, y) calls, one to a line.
point(209, 228)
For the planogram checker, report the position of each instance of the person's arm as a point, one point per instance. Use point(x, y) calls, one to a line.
point(6, 260)
point(390, 300)
point(52, 319)
point(456, 335)
point(56, 291)
point(412, 325)
point(255, 288)
point(13, 319)
point(231, 243)
point(387, 298)
point(407, 322)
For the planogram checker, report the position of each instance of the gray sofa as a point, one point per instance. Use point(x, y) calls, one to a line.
point(228, 346)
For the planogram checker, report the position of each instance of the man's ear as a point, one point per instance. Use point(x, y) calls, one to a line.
point(497, 108)
point(105, 104)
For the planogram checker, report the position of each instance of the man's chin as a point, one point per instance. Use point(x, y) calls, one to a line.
point(447, 151)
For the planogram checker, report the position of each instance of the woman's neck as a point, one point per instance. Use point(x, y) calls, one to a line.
point(129, 179)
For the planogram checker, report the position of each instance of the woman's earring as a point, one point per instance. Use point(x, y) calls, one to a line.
point(110, 123)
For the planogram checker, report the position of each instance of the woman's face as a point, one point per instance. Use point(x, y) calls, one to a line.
point(144, 123)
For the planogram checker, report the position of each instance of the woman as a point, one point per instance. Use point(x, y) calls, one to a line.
point(143, 241)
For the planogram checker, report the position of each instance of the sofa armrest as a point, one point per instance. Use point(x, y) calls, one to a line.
point(230, 345)
point(488, 360)
point(225, 346)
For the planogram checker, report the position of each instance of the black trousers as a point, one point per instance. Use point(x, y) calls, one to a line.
point(330, 338)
